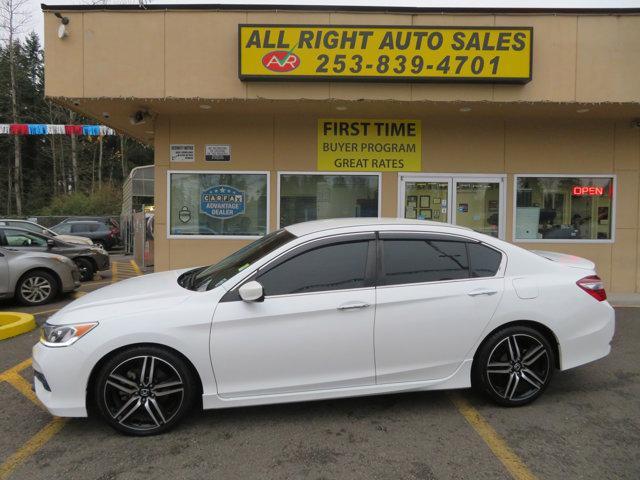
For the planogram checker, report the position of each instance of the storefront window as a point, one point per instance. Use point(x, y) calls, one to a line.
point(210, 204)
point(564, 208)
point(305, 197)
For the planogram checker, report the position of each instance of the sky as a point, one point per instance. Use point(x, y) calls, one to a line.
point(36, 22)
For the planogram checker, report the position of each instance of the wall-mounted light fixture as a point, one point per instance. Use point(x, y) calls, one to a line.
point(62, 29)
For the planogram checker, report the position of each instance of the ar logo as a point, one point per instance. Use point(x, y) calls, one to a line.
point(281, 61)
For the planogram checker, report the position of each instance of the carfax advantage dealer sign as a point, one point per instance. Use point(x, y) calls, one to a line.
point(407, 54)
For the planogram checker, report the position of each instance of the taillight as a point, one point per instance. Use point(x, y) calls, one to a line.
point(593, 286)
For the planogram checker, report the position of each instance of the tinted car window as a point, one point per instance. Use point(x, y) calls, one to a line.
point(416, 261)
point(485, 261)
point(330, 267)
point(81, 227)
point(18, 238)
point(62, 229)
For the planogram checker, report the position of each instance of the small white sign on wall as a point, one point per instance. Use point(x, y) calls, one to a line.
point(182, 152)
point(217, 153)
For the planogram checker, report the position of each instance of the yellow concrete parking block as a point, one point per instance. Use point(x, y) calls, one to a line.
point(13, 324)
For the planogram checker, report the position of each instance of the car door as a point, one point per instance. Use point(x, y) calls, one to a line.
point(312, 331)
point(22, 240)
point(432, 304)
point(4, 274)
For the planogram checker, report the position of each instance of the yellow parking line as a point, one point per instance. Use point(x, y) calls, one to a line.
point(15, 369)
point(19, 383)
point(32, 445)
point(114, 272)
point(498, 446)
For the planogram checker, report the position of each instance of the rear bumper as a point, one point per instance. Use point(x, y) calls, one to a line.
point(592, 344)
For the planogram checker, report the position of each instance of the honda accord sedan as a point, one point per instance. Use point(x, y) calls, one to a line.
point(325, 309)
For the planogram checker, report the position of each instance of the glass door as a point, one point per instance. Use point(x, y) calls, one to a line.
point(479, 205)
point(476, 202)
point(426, 198)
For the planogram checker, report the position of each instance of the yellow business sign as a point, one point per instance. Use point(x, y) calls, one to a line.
point(368, 145)
point(406, 54)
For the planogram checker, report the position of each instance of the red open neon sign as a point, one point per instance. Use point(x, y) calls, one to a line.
point(580, 191)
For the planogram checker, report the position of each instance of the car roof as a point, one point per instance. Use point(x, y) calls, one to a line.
point(314, 226)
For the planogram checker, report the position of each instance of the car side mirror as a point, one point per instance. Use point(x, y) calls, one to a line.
point(251, 292)
point(50, 243)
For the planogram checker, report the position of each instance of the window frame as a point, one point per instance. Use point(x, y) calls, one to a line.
point(334, 174)
point(371, 268)
point(171, 236)
point(611, 176)
point(416, 235)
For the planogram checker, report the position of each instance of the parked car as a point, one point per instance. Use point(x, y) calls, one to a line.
point(36, 278)
point(100, 233)
point(34, 227)
point(112, 223)
point(325, 309)
point(89, 259)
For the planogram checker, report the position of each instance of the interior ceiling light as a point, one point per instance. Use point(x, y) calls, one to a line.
point(341, 108)
point(205, 107)
point(582, 110)
point(465, 109)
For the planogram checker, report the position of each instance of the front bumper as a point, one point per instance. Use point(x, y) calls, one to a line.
point(64, 374)
point(102, 261)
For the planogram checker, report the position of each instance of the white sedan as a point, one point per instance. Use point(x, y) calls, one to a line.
point(325, 309)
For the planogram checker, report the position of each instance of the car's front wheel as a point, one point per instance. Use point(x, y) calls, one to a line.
point(514, 366)
point(36, 288)
point(144, 390)
point(87, 271)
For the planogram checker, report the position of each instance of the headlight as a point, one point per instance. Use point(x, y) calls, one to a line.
point(62, 259)
point(64, 335)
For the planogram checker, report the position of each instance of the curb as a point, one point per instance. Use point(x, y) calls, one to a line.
point(13, 324)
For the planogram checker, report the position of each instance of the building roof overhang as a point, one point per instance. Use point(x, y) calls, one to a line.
point(460, 7)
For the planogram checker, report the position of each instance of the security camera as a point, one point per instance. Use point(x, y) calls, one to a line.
point(76, 103)
point(635, 123)
point(138, 118)
point(105, 115)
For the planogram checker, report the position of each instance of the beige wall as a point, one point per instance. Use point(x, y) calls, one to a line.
point(193, 54)
point(450, 145)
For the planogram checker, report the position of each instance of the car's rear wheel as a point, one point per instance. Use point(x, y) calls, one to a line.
point(144, 390)
point(514, 366)
point(36, 288)
point(87, 270)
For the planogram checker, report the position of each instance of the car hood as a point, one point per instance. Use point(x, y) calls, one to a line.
point(74, 239)
point(156, 291)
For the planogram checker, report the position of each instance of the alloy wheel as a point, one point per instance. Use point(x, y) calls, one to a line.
point(518, 367)
point(143, 393)
point(36, 289)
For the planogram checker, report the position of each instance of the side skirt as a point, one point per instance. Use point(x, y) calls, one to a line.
point(460, 379)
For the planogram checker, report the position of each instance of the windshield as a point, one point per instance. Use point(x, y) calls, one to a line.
point(207, 278)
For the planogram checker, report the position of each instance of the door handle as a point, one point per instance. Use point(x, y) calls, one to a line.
point(481, 291)
point(352, 306)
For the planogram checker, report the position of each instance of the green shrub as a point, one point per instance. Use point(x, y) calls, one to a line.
point(106, 201)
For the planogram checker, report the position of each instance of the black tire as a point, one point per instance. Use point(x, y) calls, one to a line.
point(37, 287)
point(144, 408)
point(87, 270)
point(511, 374)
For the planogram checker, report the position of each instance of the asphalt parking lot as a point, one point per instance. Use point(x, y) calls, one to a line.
point(586, 426)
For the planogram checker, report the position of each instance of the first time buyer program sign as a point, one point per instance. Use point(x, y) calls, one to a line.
point(385, 53)
point(369, 145)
